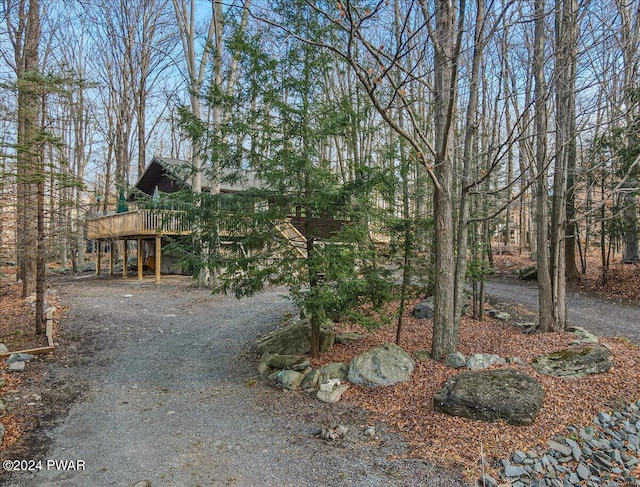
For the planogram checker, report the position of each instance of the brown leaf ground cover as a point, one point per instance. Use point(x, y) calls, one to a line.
point(459, 442)
point(17, 327)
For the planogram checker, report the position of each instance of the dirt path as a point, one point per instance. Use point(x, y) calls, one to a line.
point(169, 397)
point(604, 317)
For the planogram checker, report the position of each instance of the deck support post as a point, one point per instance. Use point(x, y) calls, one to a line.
point(125, 258)
point(158, 257)
point(99, 256)
point(139, 258)
point(112, 257)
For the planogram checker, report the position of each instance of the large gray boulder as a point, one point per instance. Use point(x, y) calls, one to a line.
point(575, 363)
point(424, 309)
point(491, 395)
point(381, 366)
point(294, 339)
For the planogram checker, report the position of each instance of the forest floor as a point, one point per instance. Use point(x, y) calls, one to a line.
point(453, 443)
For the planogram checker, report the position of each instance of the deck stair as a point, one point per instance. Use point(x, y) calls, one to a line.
point(293, 235)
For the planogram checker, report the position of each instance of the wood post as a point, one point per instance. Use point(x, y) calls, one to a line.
point(49, 313)
point(112, 257)
point(140, 259)
point(125, 258)
point(158, 258)
point(99, 256)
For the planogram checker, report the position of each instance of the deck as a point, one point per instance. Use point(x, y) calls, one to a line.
point(155, 224)
point(139, 223)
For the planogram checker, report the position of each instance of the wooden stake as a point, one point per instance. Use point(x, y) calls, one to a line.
point(31, 351)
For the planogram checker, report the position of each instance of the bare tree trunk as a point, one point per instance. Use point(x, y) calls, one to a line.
point(185, 18)
point(41, 249)
point(444, 336)
point(630, 34)
point(471, 130)
point(28, 129)
point(545, 292)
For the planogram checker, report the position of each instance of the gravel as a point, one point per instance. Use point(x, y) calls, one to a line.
point(601, 316)
point(168, 395)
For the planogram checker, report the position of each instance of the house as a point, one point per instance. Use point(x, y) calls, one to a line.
point(149, 226)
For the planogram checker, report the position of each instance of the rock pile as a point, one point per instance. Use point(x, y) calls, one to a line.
point(17, 361)
point(604, 454)
point(384, 365)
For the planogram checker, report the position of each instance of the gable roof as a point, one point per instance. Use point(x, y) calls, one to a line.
point(171, 175)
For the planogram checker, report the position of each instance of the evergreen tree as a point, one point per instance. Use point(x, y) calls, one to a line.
point(293, 222)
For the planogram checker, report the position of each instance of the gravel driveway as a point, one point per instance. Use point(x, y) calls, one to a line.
point(169, 396)
point(604, 317)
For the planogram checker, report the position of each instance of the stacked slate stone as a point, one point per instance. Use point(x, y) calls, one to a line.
point(602, 455)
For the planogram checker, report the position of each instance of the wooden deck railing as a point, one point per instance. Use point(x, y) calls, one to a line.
point(138, 223)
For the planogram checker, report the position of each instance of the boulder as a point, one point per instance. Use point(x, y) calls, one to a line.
point(513, 360)
point(455, 360)
point(19, 357)
point(290, 379)
point(422, 355)
point(491, 395)
point(499, 315)
point(310, 380)
point(294, 339)
point(529, 273)
point(264, 370)
point(527, 327)
point(327, 338)
point(464, 307)
point(381, 366)
point(484, 360)
point(575, 363)
point(424, 309)
point(293, 362)
point(16, 367)
point(3, 348)
point(336, 370)
point(333, 395)
point(349, 337)
point(583, 336)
